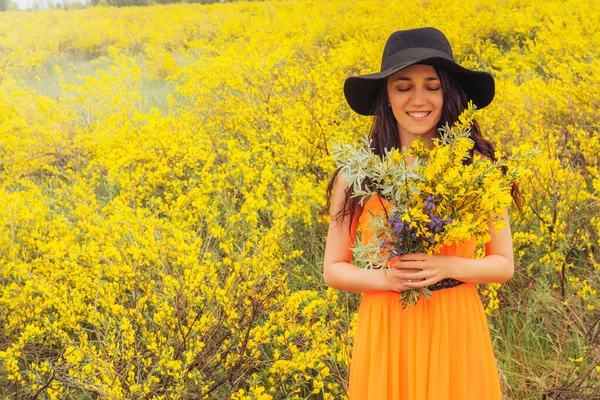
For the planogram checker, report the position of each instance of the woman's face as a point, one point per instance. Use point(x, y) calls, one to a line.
point(416, 98)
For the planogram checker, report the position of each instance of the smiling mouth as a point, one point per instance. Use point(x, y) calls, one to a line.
point(418, 114)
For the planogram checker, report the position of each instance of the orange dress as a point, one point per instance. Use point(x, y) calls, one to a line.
point(439, 349)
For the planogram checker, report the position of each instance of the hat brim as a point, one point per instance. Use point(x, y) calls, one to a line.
point(361, 91)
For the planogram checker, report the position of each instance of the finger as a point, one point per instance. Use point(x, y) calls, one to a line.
point(403, 275)
point(399, 285)
point(404, 268)
point(406, 264)
point(401, 281)
point(421, 283)
point(413, 257)
point(417, 276)
point(402, 286)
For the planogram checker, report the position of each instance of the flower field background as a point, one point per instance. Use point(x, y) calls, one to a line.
point(162, 183)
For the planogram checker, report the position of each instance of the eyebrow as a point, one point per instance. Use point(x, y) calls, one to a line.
point(404, 78)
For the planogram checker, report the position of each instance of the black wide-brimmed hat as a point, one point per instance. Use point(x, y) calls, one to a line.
point(416, 46)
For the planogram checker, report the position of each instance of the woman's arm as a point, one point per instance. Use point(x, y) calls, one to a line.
point(496, 267)
point(338, 270)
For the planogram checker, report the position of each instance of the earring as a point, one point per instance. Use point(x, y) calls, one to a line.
point(390, 105)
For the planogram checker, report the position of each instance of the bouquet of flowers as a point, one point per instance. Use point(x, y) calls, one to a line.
point(437, 201)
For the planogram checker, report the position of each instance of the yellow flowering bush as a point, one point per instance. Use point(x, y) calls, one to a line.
point(162, 182)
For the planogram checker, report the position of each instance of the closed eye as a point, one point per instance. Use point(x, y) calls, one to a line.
point(430, 89)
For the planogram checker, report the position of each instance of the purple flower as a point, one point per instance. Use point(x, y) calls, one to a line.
point(398, 227)
point(436, 224)
point(393, 220)
point(429, 204)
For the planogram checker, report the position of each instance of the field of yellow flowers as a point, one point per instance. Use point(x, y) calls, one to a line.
point(162, 184)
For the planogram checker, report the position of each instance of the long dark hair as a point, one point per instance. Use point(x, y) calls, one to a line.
point(384, 135)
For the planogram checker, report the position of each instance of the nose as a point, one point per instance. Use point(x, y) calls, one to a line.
point(419, 97)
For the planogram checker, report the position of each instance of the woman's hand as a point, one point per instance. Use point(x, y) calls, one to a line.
point(419, 270)
point(394, 279)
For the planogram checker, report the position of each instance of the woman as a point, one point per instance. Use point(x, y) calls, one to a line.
point(439, 349)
